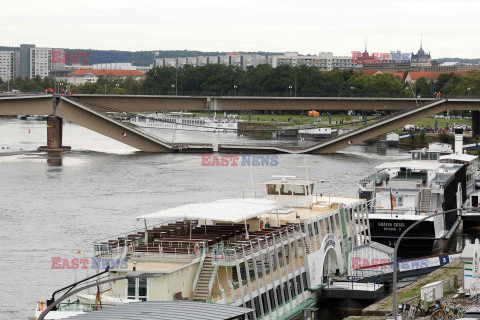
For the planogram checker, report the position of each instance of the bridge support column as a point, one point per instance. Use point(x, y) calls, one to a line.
point(54, 135)
point(475, 123)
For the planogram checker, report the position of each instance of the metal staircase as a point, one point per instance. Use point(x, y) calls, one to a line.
point(426, 197)
point(206, 280)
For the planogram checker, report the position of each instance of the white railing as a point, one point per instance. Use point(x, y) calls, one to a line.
point(230, 254)
point(211, 281)
point(159, 250)
point(199, 268)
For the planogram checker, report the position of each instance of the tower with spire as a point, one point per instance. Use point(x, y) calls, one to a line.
point(421, 58)
point(365, 55)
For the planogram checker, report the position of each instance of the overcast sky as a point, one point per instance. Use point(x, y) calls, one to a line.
point(449, 28)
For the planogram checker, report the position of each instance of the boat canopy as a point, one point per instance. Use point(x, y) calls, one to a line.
point(413, 165)
point(227, 210)
point(459, 157)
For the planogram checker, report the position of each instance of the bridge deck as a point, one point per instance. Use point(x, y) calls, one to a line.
point(90, 111)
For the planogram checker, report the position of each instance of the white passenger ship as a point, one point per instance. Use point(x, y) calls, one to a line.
point(186, 121)
point(271, 254)
point(403, 192)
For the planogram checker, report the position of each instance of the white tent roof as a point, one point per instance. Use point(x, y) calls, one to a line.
point(231, 210)
point(458, 157)
point(414, 165)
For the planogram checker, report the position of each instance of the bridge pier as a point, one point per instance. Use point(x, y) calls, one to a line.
point(475, 123)
point(54, 135)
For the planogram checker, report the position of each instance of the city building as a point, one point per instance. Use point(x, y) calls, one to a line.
point(143, 69)
point(114, 66)
point(455, 67)
point(325, 61)
point(413, 76)
point(84, 76)
point(25, 60)
point(231, 59)
point(9, 65)
point(421, 59)
point(40, 62)
point(61, 74)
point(58, 58)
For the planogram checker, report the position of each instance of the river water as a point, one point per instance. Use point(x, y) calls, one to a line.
point(56, 205)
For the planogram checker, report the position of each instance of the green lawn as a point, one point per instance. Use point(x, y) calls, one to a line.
point(289, 119)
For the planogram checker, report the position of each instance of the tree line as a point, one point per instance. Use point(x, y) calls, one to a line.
point(264, 80)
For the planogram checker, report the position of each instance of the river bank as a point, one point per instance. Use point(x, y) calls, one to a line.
point(450, 274)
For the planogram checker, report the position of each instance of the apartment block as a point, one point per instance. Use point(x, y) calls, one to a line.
point(40, 62)
point(7, 65)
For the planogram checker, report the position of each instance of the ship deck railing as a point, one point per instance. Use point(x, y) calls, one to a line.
point(180, 238)
point(273, 276)
point(411, 211)
point(256, 242)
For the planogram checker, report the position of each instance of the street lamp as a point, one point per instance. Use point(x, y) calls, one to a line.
point(468, 90)
point(290, 88)
point(397, 244)
point(174, 88)
point(117, 85)
point(176, 77)
point(351, 92)
point(235, 87)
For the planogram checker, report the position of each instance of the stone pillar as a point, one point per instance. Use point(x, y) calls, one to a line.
point(54, 132)
point(475, 123)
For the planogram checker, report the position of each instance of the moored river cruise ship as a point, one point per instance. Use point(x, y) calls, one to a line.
point(272, 254)
point(403, 192)
point(186, 121)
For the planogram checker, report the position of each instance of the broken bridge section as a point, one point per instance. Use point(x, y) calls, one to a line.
point(88, 116)
point(357, 136)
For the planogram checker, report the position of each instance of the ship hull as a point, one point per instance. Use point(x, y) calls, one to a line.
point(420, 238)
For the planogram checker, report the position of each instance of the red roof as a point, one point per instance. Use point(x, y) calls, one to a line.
point(102, 72)
point(370, 72)
point(414, 75)
point(396, 74)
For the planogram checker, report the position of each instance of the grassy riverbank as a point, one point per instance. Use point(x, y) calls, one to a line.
point(410, 294)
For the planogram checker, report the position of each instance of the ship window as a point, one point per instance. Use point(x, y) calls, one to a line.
point(272, 189)
point(415, 156)
point(286, 189)
point(256, 304)
point(279, 296)
point(299, 190)
point(273, 302)
point(424, 156)
point(315, 227)
point(434, 156)
point(474, 201)
point(131, 289)
point(399, 201)
point(137, 289)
